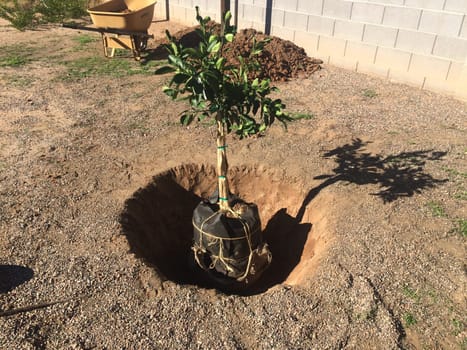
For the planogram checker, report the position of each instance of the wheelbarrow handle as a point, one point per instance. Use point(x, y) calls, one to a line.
point(107, 30)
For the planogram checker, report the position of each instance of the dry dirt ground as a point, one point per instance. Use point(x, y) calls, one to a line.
point(363, 204)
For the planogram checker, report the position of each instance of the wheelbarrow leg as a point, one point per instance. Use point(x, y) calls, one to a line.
point(136, 46)
point(109, 52)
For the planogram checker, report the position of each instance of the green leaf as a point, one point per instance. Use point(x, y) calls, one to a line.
point(180, 78)
point(170, 92)
point(220, 63)
point(189, 51)
point(174, 48)
point(229, 37)
point(214, 47)
point(212, 38)
point(174, 60)
point(227, 16)
point(186, 119)
point(203, 48)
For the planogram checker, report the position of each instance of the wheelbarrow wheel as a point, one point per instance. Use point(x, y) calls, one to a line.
point(140, 43)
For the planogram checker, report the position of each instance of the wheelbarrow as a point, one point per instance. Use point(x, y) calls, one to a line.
point(123, 24)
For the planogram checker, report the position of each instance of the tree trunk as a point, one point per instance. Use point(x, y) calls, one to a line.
point(222, 166)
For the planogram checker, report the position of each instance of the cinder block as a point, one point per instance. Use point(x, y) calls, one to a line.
point(397, 76)
point(186, 3)
point(392, 59)
point(308, 41)
point(425, 4)
point(361, 52)
point(202, 4)
point(348, 30)
point(320, 25)
point(311, 7)
point(448, 24)
point(388, 2)
point(463, 33)
point(455, 84)
point(178, 14)
point(456, 6)
point(367, 12)
point(288, 5)
point(414, 41)
point(452, 48)
point(331, 46)
point(379, 35)
point(455, 72)
point(282, 32)
point(253, 13)
point(440, 85)
point(159, 10)
point(458, 76)
point(429, 66)
point(295, 20)
point(213, 6)
point(337, 8)
point(373, 69)
point(402, 17)
point(258, 26)
point(343, 62)
point(277, 17)
point(243, 24)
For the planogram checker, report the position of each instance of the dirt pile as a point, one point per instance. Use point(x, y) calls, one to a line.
point(280, 60)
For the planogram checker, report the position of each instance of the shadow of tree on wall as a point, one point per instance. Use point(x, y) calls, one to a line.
point(399, 175)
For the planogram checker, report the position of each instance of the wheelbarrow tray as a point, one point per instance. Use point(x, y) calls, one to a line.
point(128, 15)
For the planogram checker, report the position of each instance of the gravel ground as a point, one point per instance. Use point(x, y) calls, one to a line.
point(379, 172)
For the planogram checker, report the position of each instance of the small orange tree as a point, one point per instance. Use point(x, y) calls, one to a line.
point(217, 89)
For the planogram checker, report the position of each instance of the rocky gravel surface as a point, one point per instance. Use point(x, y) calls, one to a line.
point(377, 175)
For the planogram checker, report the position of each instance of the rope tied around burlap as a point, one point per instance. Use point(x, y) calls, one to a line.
point(225, 261)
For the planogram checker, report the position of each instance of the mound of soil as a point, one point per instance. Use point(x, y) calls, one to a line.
point(280, 60)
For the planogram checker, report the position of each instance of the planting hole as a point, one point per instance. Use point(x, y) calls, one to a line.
point(157, 221)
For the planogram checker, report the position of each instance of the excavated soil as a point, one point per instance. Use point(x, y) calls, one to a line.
point(363, 203)
point(157, 221)
point(280, 60)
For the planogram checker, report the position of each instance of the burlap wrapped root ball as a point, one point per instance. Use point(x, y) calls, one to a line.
point(228, 245)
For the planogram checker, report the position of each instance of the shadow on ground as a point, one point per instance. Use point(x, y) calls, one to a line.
point(11, 276)
point(157, 219)
point(398, 175)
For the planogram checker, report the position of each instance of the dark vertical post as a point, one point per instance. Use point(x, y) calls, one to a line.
point(225, 6)
point(267, 26)
point(167, 12)
point(236, 13)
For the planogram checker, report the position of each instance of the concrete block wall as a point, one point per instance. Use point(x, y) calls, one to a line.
point(418, 42)
point(183, 11)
